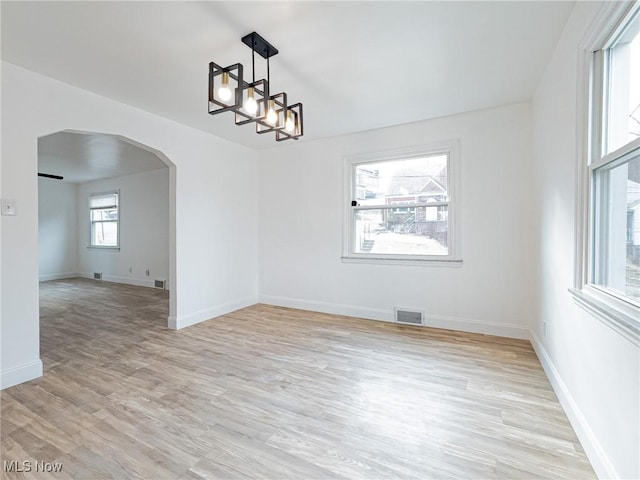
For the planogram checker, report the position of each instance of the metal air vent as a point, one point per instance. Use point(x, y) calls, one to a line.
point(409, 317)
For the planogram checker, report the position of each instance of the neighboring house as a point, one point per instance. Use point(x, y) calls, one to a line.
point(427, 221)
point(367, 182)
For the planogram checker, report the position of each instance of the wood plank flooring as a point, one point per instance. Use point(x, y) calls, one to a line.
point(275, 393)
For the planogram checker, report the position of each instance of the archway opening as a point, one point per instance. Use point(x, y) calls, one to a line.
point(107, 242)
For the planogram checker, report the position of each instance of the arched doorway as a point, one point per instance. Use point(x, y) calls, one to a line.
point(86, 160)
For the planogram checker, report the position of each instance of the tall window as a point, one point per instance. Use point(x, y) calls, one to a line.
point(400, 205)
point(615, 164)
point(104, 220)
point(607, 280)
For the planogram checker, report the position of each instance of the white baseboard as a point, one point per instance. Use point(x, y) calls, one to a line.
point(435, 321)
point(20, 374)
point(138, 282)
point(176, 323)
point(474, 325)
point(598, 458)
point(58, 276)
point(324, 307)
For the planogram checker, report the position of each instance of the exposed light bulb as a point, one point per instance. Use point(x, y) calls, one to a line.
point(224, 92)
point(272, 116)
point(289, 125)
point(250, 104)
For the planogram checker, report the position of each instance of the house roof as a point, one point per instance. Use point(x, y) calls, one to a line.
point(418, 179)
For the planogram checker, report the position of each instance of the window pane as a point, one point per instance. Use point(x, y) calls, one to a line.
point(617, 233)
point(399, 182)
point(402, 230)
point(104, 234)
point(623, 121)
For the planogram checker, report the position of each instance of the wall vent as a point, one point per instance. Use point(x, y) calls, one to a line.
point(409, 317)
point(97, 275)
point(160, 284)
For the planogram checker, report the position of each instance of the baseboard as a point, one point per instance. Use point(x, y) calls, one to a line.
point(138, 282)
point(20, 374)
point(324, 307)
point(473, 325)
point(58, 276)
point(435, 321)
point(589, 441)
point(176, 323)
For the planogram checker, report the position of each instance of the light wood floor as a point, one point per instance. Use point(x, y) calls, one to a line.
point(275, 393)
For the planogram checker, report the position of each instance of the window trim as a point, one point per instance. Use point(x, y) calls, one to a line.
point(90, 245)
point(454, 257)
point(615, 312)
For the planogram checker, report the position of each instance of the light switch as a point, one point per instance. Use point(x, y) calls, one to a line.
point(9, 206)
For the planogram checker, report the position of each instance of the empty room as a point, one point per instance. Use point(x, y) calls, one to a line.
point(320, 240)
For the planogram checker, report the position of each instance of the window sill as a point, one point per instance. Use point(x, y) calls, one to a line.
point(618, 315)
point(94, 247)
point(431, 262)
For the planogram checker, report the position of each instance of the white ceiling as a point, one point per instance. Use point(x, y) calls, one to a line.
point(83, 157)
point(354, 65)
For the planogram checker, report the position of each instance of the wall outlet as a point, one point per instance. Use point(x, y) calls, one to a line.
point(9, 206)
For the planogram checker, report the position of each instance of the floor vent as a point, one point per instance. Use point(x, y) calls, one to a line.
point(160, 284)
point(97, 275)
point(409, 317)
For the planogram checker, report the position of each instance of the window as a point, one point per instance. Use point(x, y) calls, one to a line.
point(104, 220)
point(615, 164)
point(608, 274)
point(400, 205)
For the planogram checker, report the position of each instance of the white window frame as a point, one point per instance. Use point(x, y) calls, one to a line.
point(451, 148)
point(90, 240)
point(616, 311)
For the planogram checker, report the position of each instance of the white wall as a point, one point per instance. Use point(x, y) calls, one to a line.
point(144, 229)
point(300, 226)
point(595, 371)
point(57, 229)
point(215, 217)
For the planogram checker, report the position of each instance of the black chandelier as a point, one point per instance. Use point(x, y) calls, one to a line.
point(253, 102)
